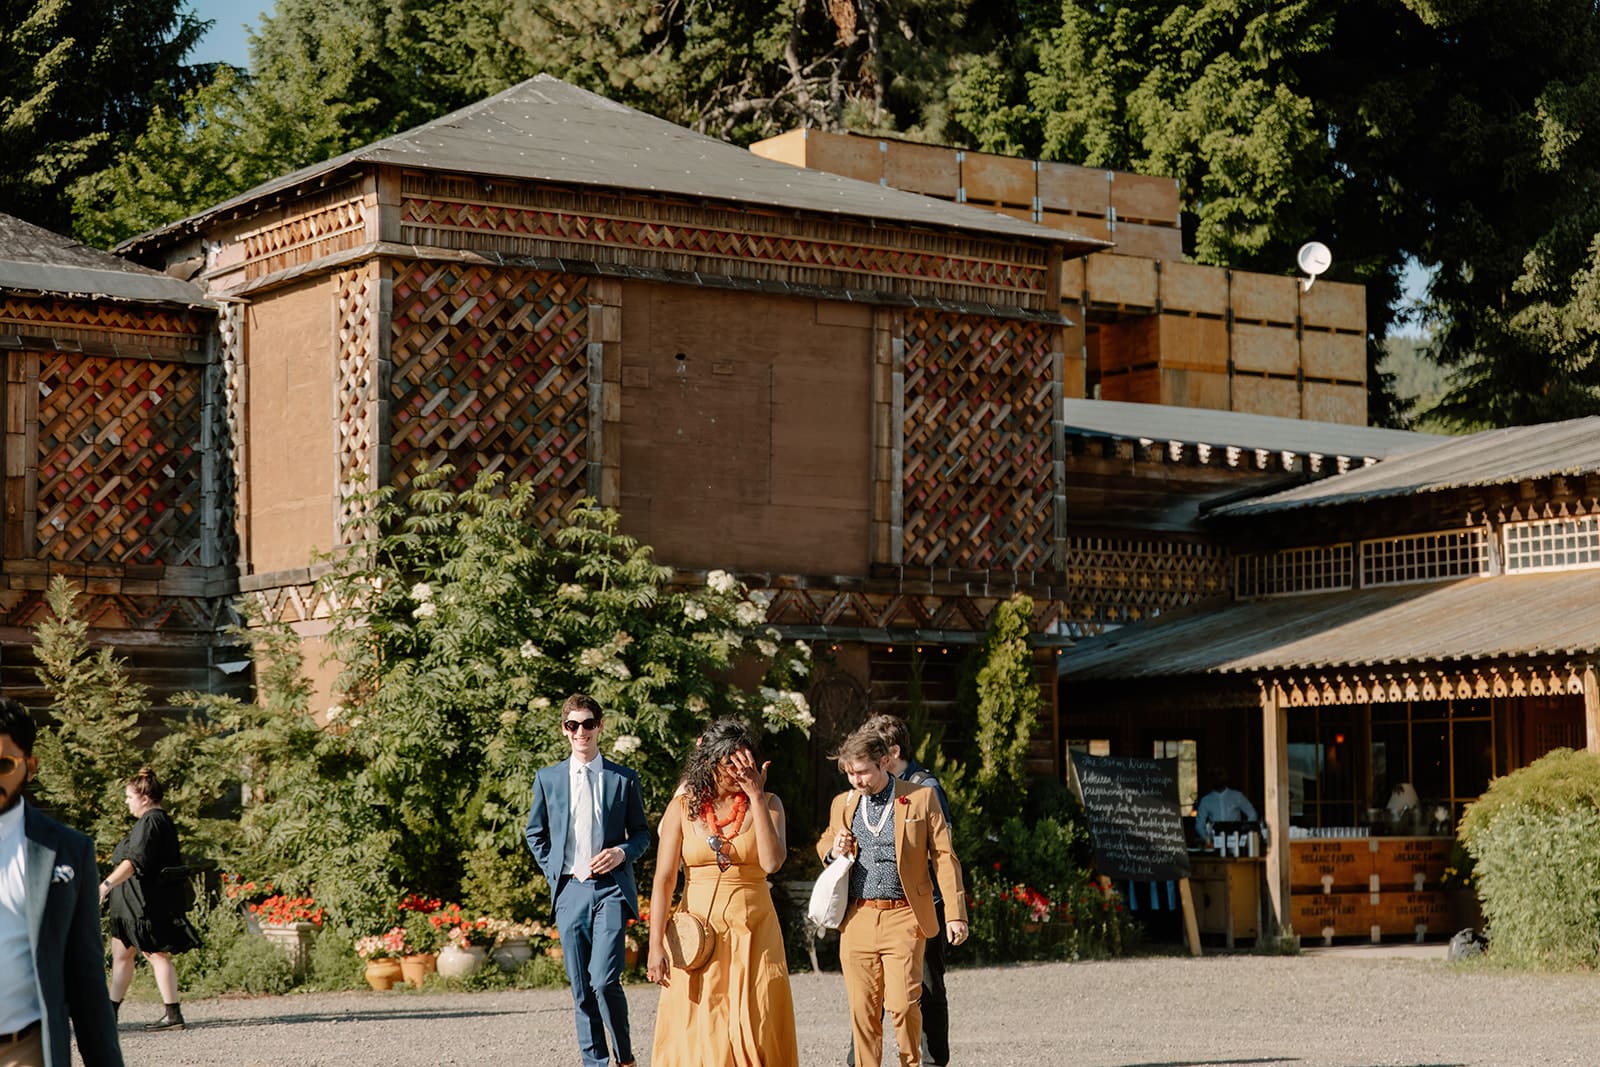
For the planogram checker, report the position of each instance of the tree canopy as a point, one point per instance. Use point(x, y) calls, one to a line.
point(1454, 134)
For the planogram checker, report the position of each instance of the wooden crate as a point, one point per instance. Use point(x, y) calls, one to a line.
point(1072, 273)
point(922, 168)
point(1414, 863)
point(1330, 915)
point(1152, 242)
point(1130, 343)
point(1096, 226)
point(1335, 305)
point(1412, 914)
point(1320, 865)
point(1196, 288)
point(1265, 349)
point(1121, 280)
point(1346, 404)
point(1264, 297)
point(989, 178)
point(1064, 187)
point(1143, 198)
point(1342, 356)
point(1267, 396)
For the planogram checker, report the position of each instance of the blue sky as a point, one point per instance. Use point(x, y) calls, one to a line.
point(226, 42)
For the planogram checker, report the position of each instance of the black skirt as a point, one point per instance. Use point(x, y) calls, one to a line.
point(148, 910)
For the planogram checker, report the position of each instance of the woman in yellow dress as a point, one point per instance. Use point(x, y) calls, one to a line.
point(727, 832)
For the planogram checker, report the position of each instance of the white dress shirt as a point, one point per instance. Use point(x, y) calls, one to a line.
point(19, 983)
point(1229, 805)
point(574, 770)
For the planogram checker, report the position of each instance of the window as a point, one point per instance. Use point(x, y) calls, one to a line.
point(1553, 544)
point(1294, 570)
point(1427, 557)
point(1188, 771)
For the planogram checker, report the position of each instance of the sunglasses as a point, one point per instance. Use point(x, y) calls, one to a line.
point(723, 849)
point(11, 763)
point(572, 726)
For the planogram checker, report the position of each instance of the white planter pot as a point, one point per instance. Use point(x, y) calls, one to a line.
point(513, 954)
point(459, 962)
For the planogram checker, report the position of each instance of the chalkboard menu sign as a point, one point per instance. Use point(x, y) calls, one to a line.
point(1132, 807)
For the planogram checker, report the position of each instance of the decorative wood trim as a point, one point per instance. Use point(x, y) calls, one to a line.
point(233, 380)
point(526, 219)
point(102, 610)
point(1393, 684)
point(357, 360)
point(104, 328)
point(320, 225)
point(1112, 581)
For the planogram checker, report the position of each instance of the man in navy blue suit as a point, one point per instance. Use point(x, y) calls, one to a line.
point(586, 829)
point(52, 960)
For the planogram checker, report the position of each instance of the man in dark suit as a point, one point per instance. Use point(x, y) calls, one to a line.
point(52, 960)
point(586, 829)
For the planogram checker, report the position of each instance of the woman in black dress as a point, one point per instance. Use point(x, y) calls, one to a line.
point(147, 906)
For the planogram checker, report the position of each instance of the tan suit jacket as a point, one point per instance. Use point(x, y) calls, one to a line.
point(921, 834)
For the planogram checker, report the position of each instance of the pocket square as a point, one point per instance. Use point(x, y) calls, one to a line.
point(63, 873)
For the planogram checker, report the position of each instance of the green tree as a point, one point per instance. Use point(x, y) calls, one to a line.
point(1008, 709)
point(90, 745)
point(78, 80)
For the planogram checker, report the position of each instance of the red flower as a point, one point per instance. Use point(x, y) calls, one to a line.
point(905, 800)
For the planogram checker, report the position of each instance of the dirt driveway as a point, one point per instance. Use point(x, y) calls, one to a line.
point(1340, 1009)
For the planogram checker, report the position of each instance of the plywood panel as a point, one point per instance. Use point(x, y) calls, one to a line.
point(1336, 305)
point(1411, 914)
point(1072, 280)
point(920, 168)
point(754, 450)
point(1346, 404)
point(1002, 179)
point(1413, 863)
point(1322, 865)
point(1266, 396)
point(1334, 355)
point(1064, 187)
point(1129, 343)
point(838, 153)
point(1096, 226)
point(1193, 287)
point(787, 148)
point(1122, 280)
point(1196, 344)
point(1265, 297)
point(1269, 349)
point(1194, 389)
point(1144, 198)
point(1331, 914)
point(291, 450)
point(1153, 242)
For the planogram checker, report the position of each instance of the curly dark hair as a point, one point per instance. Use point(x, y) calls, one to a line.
point(721, 739)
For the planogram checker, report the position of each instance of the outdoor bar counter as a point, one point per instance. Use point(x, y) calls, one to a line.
point(1375, 887)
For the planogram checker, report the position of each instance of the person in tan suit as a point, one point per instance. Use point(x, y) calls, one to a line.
point(895, 830)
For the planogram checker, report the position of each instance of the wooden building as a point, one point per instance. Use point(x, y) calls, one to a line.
point(1431, 621)
point(113, 421)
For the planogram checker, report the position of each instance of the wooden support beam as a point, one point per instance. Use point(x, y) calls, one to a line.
point(1275, 807)
point(1591, 708)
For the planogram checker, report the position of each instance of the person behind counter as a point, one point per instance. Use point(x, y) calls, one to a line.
point(1222, 804)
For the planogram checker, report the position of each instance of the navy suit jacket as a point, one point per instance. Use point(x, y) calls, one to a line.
point(621, 818)
point(69, 958)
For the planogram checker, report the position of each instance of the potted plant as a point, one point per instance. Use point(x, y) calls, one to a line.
point(467, 942)
point(514, 942)
point(291, 923)
point(382, 953)
point(424, 937)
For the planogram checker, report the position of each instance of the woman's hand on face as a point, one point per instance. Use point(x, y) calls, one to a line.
point(750, 778)
point(657, 968)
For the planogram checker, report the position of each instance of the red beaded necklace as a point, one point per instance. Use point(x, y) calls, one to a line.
point(735, 819)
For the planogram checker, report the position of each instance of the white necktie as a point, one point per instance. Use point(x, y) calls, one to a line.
point(583, 827)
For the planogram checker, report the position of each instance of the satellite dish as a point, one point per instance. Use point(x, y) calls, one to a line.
point(1314, 258)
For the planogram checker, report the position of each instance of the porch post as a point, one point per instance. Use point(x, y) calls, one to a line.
point(1591, 708)
point(1275, 806)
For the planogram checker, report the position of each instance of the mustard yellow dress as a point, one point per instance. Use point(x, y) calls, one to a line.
point(736, 1011)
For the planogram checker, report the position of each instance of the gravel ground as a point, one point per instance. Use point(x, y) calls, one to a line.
point(1343, 1008)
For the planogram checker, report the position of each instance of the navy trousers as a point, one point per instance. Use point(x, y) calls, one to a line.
point(592, 920)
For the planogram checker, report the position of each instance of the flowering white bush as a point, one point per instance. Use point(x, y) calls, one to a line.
point(626, 744)
point(748, 614)
point(694, 611)
point(722, 582)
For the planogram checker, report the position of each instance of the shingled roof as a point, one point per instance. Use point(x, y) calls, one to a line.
point(36, 260)
point(549, 131)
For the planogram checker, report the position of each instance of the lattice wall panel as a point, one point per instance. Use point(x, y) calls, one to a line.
point(230, 435)
point(357, 416)
point(332, 222)
point(978, 479)
point(1115, 581)
point(841, 610)
point(20, 607)
point(119, 461)
point(490, 373)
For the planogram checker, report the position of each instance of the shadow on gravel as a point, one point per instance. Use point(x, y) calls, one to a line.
point(1246, 1063)
point(293, 1018)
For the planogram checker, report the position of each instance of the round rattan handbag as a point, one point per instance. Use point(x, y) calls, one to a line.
point(690, 940)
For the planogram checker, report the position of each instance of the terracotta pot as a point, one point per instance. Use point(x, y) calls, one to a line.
point(630, 957)
point(554, 952)
point(457, 962)
point(383, 973)
point(512, 954)
point(417, 967)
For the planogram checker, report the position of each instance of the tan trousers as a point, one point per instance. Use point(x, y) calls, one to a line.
point(880, 952)
point(29, 1052)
